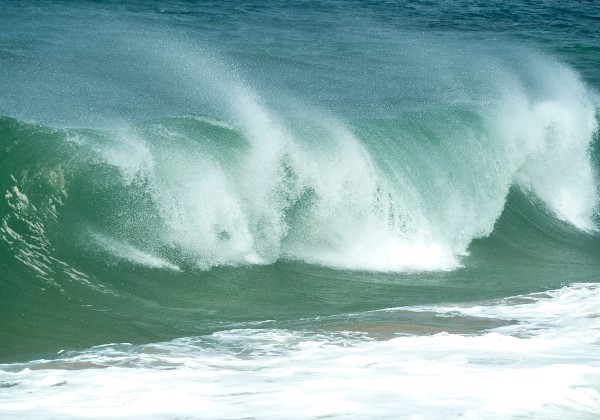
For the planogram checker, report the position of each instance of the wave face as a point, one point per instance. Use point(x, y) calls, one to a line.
point(205, 180)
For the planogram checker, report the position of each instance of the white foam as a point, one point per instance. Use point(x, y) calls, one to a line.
point(546, 366)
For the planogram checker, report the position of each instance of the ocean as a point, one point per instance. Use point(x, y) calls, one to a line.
point(303, 209)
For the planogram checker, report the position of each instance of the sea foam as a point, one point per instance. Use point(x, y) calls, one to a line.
point(543, 365)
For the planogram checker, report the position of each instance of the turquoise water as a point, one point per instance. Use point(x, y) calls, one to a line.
point(190, 178)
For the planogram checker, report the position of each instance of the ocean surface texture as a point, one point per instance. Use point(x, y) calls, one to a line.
point(273, 209)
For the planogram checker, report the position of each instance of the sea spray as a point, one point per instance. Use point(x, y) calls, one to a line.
point(394, 194)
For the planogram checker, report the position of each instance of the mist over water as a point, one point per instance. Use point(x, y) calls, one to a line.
point(231, 187)
point(391, 193)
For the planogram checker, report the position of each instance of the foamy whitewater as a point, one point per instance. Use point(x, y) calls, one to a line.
point(543, 363)
point(265, 210)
